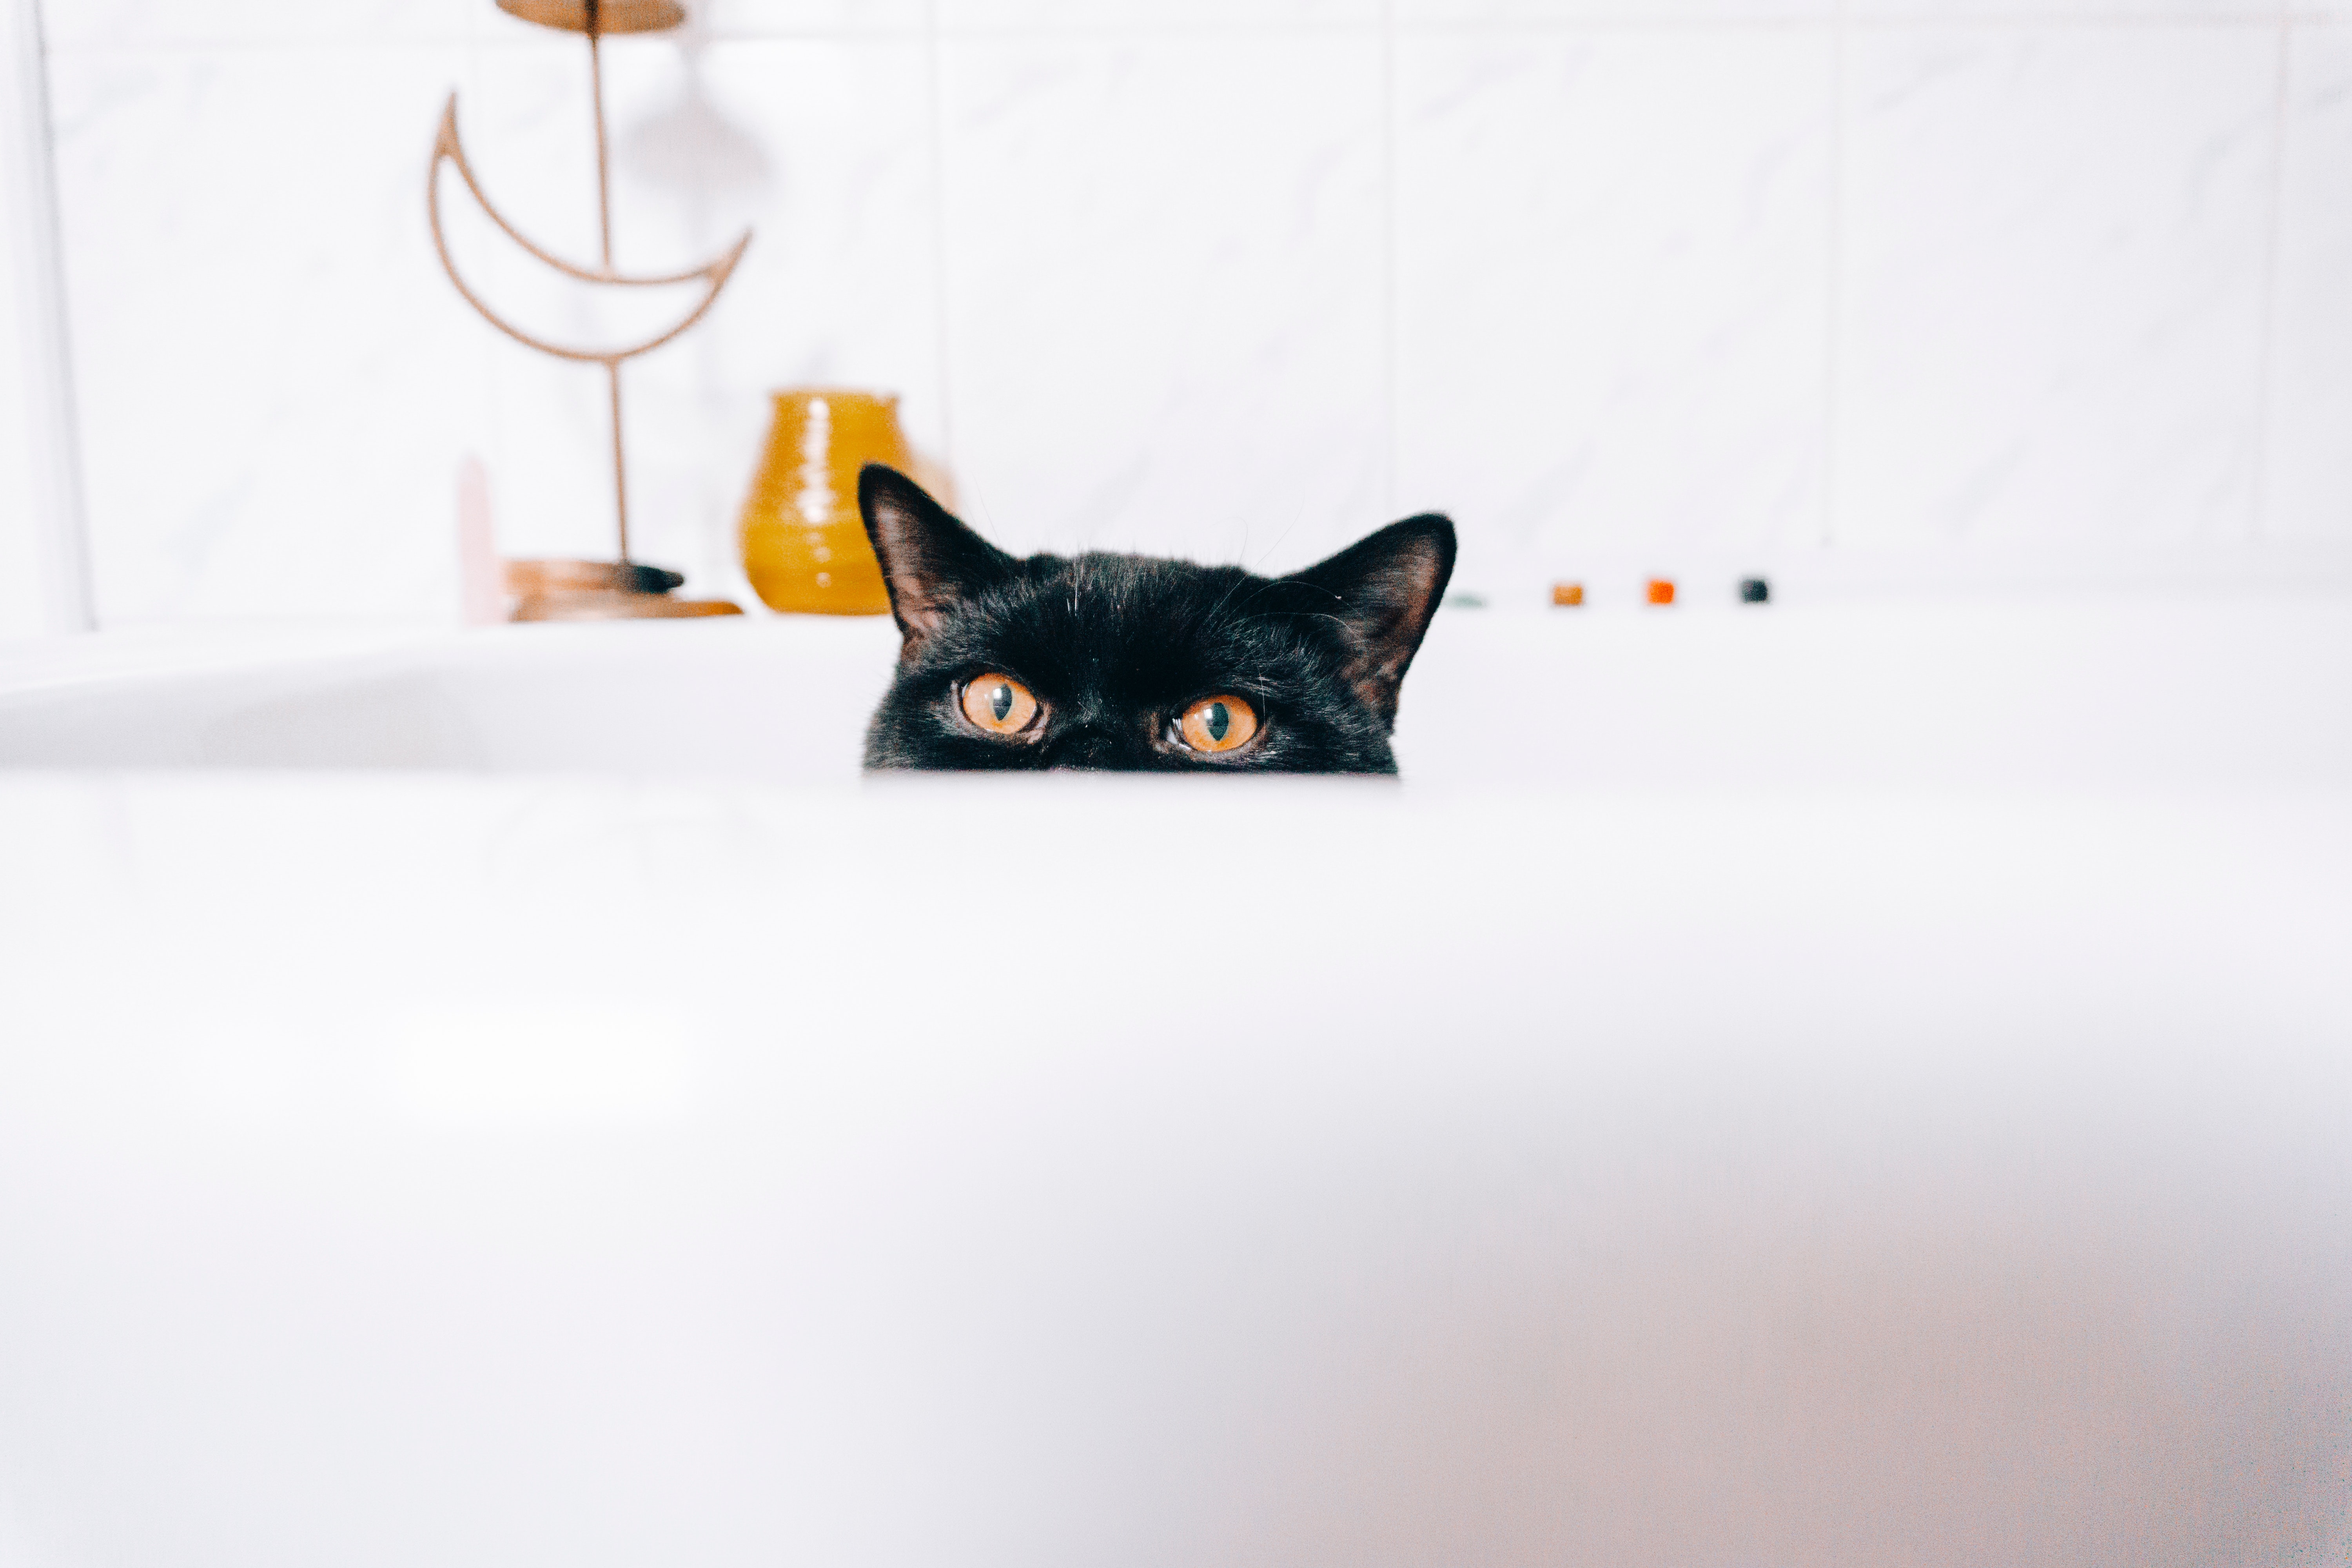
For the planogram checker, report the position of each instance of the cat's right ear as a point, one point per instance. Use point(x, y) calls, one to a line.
point(1384, 588)
point(930, 561)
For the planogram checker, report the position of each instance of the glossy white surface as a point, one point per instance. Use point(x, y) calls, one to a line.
point(533, 1172)
point(1825, 1083)
point(2063, 694)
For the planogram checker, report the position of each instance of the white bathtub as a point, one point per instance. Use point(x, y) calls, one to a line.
point(1833, 1084)
point(2061, 694)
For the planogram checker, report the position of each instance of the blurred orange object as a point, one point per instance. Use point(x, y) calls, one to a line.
point(1662, 591)
point(1570, 594)
point(804, 545)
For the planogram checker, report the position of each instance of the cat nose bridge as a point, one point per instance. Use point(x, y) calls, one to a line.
point(1090, 745)
point(1096, 737)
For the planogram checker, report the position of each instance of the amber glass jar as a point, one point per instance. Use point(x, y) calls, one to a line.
point(805, 546)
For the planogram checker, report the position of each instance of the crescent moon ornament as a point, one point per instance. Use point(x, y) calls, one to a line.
point(595, 19)
point(448, 149)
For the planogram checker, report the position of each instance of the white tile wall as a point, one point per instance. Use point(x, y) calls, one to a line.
point(1164, 270)
point(1613, 12)
point(74, 25)
point(1612, 274)
point(836, 174)
point(2105, 13)
point(44, 585)
point(1603, 278)
point(270, 401)
point(2052, 276)
point(2307, 480)
point(772, 18)
point(21, 608)
point(1115, 16)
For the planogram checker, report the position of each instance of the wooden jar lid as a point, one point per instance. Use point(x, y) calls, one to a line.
point(611, 15)
point(550, 590)
point(609, 607)
point(526, 579)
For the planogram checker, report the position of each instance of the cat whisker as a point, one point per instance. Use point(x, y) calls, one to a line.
point(1296, 513)
point(1226, 597)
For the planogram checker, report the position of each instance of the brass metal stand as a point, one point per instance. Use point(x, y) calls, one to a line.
point(586, 590)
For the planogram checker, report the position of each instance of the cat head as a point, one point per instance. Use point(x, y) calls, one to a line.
point(1134, 663)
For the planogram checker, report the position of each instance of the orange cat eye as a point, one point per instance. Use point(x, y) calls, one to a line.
point(999, 704)
point(1218, 723)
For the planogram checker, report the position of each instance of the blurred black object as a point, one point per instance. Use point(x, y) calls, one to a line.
point(1755, 591)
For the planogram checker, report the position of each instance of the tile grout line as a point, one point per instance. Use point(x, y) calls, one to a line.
point(44, 304)
point(2266, 331)
point(936, 94)
point(1833, 281)
point(1391, 322)
point(493, 441)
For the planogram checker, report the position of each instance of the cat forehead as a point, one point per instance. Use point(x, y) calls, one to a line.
point(1118, 592)
point(1123, 598)
point(1136, 619)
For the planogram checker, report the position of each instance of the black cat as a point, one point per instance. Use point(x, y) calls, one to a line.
point(1129, 662)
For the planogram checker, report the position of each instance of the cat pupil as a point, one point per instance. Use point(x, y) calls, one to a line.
point(1219, 721)
point(1000, 702)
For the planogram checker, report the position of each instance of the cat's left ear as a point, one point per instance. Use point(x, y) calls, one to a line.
point(930, 561)
point(1384, 588)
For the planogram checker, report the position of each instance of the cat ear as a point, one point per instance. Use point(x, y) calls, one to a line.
point(1384, 588)
point(931, 561)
